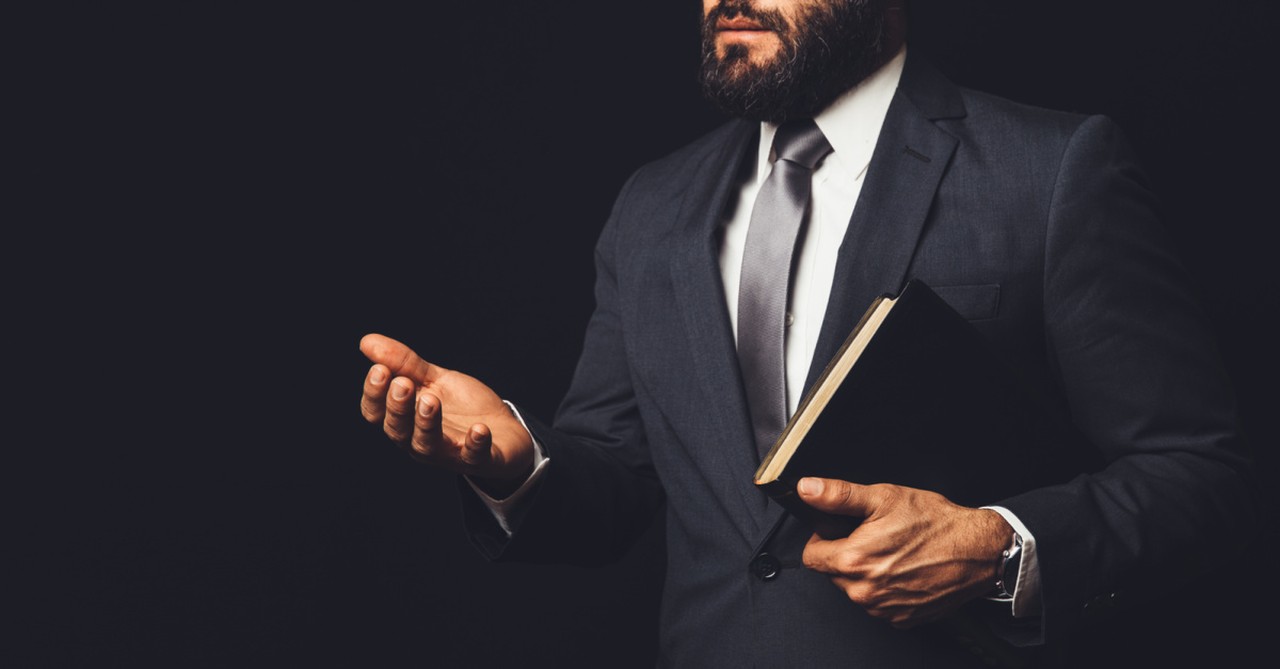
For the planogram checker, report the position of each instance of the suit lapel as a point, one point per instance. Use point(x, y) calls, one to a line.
point(695, 274)
point(911, 156)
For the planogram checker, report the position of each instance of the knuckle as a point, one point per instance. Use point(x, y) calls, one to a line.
point(420, 444)
point(874, 572)
point(470, 456)
point(405, 358)
point(394, 433)
point(880, 614)
point(850, 562)
point(886, 493)
point(876, 607)
point(371, 410)
point(399, 409)
point(843, 493)
point(856, 592)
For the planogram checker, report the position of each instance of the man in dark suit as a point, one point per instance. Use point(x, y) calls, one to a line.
point(1034, 225)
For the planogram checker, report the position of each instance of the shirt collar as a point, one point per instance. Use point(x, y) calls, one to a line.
point(851, 124)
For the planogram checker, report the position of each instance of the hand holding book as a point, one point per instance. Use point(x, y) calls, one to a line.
point(914, 558)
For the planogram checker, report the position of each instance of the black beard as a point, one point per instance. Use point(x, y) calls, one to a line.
point(806, 75)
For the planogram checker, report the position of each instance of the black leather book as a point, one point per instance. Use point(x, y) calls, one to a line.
point(916, 397)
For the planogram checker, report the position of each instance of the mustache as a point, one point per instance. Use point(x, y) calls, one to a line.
point(770, 19)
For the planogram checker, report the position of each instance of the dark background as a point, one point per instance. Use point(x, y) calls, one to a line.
point(214, 204)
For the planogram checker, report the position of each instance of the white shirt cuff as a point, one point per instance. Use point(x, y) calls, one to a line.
point(1026, 594)
point(506, 510)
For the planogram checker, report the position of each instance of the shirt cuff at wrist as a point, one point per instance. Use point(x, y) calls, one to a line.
point(1026, 594)
point(506, 510)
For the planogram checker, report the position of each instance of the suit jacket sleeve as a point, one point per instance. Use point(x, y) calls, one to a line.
point(1141, 376)
point(599, 492)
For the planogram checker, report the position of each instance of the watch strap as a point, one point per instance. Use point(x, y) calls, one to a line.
point(1010, 563)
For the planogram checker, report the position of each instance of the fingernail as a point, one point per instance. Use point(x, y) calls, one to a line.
point(378, 376)
point(399, 392)
point(810, 486)
point(424, 407)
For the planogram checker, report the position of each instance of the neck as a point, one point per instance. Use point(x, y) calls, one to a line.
point(895, 32)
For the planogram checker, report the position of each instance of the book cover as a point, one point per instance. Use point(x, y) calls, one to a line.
point(916, 397)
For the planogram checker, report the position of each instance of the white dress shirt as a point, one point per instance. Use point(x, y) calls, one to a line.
point(851, 125)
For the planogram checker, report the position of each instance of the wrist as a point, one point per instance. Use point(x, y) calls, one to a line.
point(503, 486)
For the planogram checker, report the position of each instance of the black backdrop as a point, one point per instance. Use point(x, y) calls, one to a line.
point(214, 204)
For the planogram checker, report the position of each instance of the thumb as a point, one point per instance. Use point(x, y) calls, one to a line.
point(839, 497)
point(399, 358)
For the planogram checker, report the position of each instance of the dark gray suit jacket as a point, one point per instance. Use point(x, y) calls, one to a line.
point(1038, 227)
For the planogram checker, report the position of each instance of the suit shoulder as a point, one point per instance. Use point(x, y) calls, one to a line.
point(1028, 143)
point(679, 168)
point(1040, 126)
point(650, 201)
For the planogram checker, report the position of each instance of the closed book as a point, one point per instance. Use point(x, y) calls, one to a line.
point(916, 397)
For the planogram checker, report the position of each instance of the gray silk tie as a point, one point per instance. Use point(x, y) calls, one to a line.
point(776, 221)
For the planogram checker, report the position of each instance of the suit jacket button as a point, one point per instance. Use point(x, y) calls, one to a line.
point(765, 567)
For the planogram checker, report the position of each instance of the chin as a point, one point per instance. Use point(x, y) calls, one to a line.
point(759, 52)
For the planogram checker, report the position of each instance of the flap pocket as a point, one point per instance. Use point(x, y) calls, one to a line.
point(975, 302)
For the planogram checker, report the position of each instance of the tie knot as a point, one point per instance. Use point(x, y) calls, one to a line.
point(801, 142)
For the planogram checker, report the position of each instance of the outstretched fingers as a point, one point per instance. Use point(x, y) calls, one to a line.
point(406, 395)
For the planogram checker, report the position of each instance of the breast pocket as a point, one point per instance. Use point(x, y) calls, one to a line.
point(974, 302)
